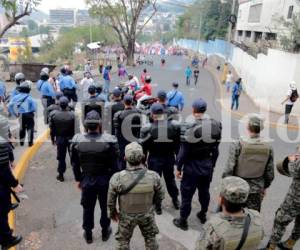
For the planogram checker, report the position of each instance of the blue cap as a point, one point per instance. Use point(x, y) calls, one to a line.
point(63, 100)
point(157, 109)
point(92, 117)
point(162, 94)
point(199, 105)
point(117, 92)
point(128, 98)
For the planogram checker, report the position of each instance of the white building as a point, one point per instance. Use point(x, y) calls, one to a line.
point(259, 19)
point(62, 18)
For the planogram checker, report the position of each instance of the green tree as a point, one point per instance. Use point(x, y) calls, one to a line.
point(210, 17)
point(290, 38)
point(123, 16)
point(14, 11)
point(32, 26)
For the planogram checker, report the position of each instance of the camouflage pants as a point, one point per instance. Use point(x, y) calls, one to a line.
point(288, 211)
point(254, 201)
point(147, 225)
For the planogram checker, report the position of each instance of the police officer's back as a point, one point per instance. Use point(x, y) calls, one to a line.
point(94, 159)
point(24, 107)
point(63, 126)
point(137, 190)
point(116, 106)
point(171, 112)
point(251, 158)
point(161, 141)
point(235, 227)
point(196, 160)
point(7, 182)
point(94, 102)
point(127, 126)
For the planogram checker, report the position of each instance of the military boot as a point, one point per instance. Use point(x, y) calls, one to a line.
point(181, 223)
point(11, 242)
point(88, 236)
point(60, 178)
point(270, 246)
point(176, 203)
point(158, 210)
point(287, 245)
point(106, 234)
point(202, 217)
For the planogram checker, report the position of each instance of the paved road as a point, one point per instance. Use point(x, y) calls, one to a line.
point(52, 217)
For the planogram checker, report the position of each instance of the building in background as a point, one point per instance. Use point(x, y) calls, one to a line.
point(82, 17)
point(62, 18)
point(259, 20)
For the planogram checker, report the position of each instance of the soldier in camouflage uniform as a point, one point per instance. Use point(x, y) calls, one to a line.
point(251, 158)
point(137, 191)
point(225, 229)
point(290, 208)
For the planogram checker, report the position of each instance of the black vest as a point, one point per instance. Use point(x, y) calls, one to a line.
point(64, 123)
point(96, 155)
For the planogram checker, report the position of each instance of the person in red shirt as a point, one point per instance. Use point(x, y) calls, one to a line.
point(147, 88)
point(143, 76)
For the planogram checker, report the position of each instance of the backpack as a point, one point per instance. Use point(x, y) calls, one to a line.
point(294, 96)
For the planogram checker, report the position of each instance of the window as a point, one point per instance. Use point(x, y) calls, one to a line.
point(248, 34)
point(255, 13)
point(271, 36)
point(257, 36)
point(240, 33)
point(290, 13)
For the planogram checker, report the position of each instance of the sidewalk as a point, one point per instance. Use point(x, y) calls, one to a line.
point(247, 106)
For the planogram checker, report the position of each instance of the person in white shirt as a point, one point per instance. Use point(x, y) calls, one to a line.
point(85, 83)
point(292, 97)
point(229, 81)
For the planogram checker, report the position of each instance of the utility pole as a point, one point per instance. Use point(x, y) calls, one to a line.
point(91, 33)
point(229, 35)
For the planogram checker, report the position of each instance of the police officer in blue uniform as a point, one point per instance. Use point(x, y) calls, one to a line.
point(63, 127)
point(7, 182)
point(127, 126)
point(68, 85)
point(94, 158)
point(161, 141)
point(47, 92)
point(24, 106)
point(196, 161)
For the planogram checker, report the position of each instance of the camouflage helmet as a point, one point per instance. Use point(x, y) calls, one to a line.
point(256, 120)
point(134, 153)
point(283, 168)
point(235, 190)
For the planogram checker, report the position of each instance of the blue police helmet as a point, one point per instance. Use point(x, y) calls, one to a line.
point(157, 109)
point(199, 106)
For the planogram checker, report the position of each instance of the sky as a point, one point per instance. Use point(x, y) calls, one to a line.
point(50, 4)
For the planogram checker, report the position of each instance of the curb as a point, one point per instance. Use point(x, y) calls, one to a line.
point(22, 166)
point(241, 114)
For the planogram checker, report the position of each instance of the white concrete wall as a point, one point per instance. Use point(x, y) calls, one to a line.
point(266, 79)
point(271, 10)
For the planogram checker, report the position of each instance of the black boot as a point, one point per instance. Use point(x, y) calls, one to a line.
point(176, 203)
point(106, 234)
point(202, 217)
point(12, 241)
point(158, 210)
point(14, 206)
point(60, 178)
point(181, 223)
point(88, 236)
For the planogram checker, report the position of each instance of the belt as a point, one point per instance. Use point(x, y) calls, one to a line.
point(47, 97)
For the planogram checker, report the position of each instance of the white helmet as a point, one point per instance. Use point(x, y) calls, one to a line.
point(19, 77)
point(293, 85)
point(45, 70)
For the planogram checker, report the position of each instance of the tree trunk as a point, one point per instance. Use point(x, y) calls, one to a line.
point(130, 52)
